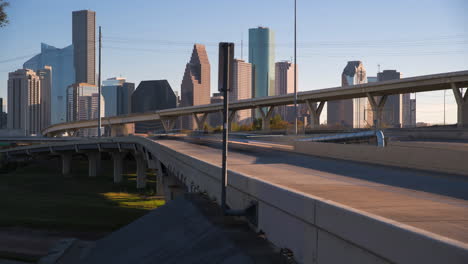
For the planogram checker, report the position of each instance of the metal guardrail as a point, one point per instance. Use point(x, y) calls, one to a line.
point(350, 136)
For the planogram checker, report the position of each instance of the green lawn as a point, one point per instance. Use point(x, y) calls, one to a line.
point(38, 196)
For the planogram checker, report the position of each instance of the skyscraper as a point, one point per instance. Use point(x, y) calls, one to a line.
point(350, 112)
point(84, 44)
point(195, 88)
point(284, 84)
point(151, 96)
point(24, 101)
point(241, 87)
point(45, 77)
point(117, 94)
point(262, 58)
point(82, 102)
point(397, 108)
point(61, 61)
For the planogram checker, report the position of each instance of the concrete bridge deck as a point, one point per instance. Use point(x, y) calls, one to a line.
point(433, 202)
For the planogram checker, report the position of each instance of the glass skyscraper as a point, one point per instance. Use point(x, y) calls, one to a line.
point(117, 94)
point(61, 61)
point(262, 58)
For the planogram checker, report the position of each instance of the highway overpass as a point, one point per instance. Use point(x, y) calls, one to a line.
point(324, 209)
point(315, 99)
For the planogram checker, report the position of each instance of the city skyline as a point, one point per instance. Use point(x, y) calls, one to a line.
point(117, 47)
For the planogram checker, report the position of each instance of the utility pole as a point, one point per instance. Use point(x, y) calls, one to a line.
point(226, 58)
point(99, 84)
point(295, 71)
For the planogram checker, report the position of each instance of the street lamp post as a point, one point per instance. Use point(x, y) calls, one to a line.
point(295, 72)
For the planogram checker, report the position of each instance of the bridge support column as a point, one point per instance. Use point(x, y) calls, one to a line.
point(232, 115)
point(160, 179)
point(462, 103)
point(141, 171)
point(122, 130)
point(377, 109)
point(168, 123)
point(66, 164)
point(315, 113)
point(117, 158)
point(94, 159)
point(266, 117)
point(200, 121)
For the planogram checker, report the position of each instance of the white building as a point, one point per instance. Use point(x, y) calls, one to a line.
point(241, 88)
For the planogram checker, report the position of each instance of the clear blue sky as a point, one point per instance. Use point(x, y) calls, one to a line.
point(145, 39)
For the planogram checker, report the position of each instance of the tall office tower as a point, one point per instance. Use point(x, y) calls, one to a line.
point(24, 101)
point(350, 112)
point(84, 44)
point(117, 94)
point(151, 96)
point(195, 88)
point(262, 58)
point(82, 104)
point(45, 76)
point(397, 109)
point(3, 119)
point(61, 61)
point(241, 88)
point(284, 84)
point(216, 119)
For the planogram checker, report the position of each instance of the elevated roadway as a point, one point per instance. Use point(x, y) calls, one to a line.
point(315, 99)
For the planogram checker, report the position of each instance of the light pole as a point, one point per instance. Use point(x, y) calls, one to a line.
point(99, 85)
point(295, 71)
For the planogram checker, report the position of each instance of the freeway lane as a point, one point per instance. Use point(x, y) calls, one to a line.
point(434, 202)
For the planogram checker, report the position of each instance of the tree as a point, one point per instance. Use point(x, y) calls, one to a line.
point(3, 15)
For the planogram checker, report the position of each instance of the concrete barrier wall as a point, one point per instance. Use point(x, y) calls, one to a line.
point(422, 156)
point(316, 230)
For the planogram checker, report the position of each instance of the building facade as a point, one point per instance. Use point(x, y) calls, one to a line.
point(82, 102)
point(84, 44)
point(262, 58)
point(397, 109)
point(151, 96)
point(284, 84)
point(117, 94)
point(216, 119)
point(351, 112)
point(195, 87)
point(241, 88)
point(45, 76)
point(61, 61)
point(24, 101)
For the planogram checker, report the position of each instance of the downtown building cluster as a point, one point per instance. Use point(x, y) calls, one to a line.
point(60, 85)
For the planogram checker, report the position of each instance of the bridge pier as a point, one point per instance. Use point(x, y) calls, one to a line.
point(168, 123)
point(94, 160)
point(159, 178)
point(117, 158)
point(66, 164)
point(377, 108)
point(200, 120)
point(462, 103)
point(266, 117)
point(315, 113)
point(232, 115)
point(141, 171)
point(122, 130)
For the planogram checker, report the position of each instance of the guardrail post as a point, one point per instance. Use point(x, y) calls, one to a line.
point(315, 112)
point(462, 103)
point(377, 109)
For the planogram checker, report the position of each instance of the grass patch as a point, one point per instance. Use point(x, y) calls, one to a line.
point(38, 196)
